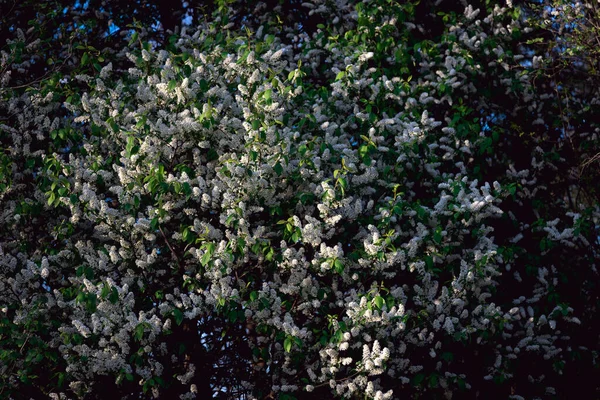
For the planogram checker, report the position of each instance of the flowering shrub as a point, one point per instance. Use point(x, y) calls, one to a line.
point(377, 210)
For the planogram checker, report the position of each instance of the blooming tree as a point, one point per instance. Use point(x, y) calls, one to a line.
point(383, 208)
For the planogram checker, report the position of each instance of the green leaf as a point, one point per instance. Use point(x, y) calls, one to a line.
point(134, 38)
point(113, 125)
point(447, 356)
point(379, 301)
point(172, 84)
point(340, 75)
point(139, 332)
point(203, 85)
point(187, 235)
point(61, 378)
point(232, 316)
point(209, 249)
point(278, 168)
point(131, 147)
point(433, 381)
point(114, 295)
point(363, 150)
point(418, 379)
point(338, 266)
point(105, 291)
point(178, 316)
point(90, 303)
point(270, 254)
point(205, 259)
point(267, 95)
point(287, 344)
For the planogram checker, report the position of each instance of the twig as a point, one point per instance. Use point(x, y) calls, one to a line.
point(170, 248)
